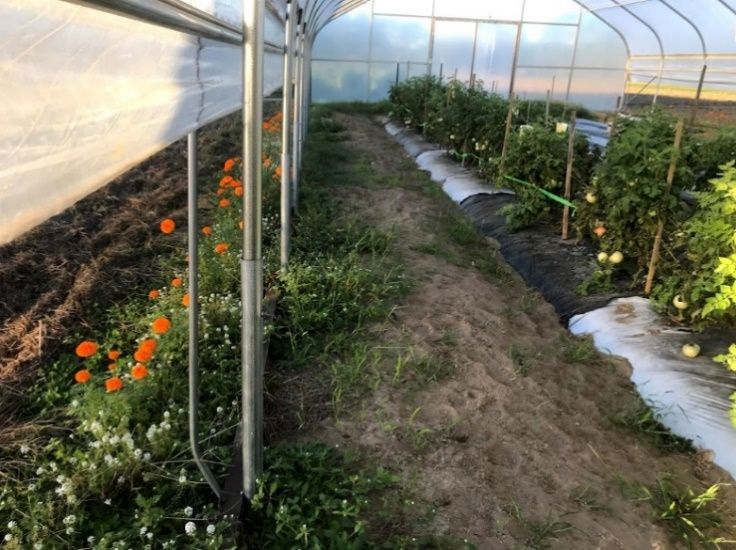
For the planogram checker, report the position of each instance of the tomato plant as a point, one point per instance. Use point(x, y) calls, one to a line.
point(704, 274)
point(538, 155)
point(631, 194)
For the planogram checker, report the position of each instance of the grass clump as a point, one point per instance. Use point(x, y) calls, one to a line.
point(644, 420)
point(692, 517)
point(311, 496)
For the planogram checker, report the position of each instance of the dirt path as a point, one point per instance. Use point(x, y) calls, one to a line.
point(514, 448)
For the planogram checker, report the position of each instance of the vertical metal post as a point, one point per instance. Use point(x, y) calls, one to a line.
point(307, 90)
point(398, 69)
point(297, 117)
point(574, 58)
point(472, 58)
point(698, 93)
point(288, 90)
point(193, 314)
point(442, 69)
point(408, 70)
point(552, 89)
point(659, 80)
point(252, 261)
point(515, 63)
point(546, 107)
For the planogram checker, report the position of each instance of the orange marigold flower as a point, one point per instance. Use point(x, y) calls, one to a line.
point(113, 384)
point(226, 181)
point(207, 230)
point(86, 349)
point(161, 325)
point(168, 226)
point(112, 367)
point(220, 192)
point(113, 355)
point(229, 164)
point(239, 191)
point(185, 300)
point(148, 345)
point(267, 162)
point(82, 376)
point(277, 172)
point(143, 355)
point(224, 203)
point(220, 248)
point(176, 282)
point(153, 294)
point(241, 224)
point(139, 372)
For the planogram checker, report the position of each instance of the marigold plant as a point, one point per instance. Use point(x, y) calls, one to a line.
point(176, 282)
point(221, 248)
point(239, 191)
point(207, 230)
point(185, 300)
point(168, 226)
point(113, 355)
point(230, 164)
point(139, 371)
point(82, 376)
point(86, 349)
point(224, 203)
point(114, 384)
point(226, 181)
point(112, 366)
point(161, 325)
point(153, 294)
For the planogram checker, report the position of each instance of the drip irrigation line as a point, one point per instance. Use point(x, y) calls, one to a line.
point(548, 194)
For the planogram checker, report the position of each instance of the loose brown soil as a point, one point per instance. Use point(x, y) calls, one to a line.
point(516, 436)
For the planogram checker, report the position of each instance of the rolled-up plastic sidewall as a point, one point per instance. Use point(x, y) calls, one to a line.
point(88, 94)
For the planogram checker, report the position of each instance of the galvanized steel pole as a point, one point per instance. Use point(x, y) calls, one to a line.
point(286, 151)
point(193, 236)
point(252, 261)
point(297, 115)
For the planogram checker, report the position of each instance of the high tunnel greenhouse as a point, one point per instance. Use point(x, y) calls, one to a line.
point(462, 273)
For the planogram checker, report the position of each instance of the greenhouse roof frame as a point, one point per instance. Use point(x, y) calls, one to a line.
point(610, 12)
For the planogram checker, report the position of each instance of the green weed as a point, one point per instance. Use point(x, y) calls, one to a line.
point(691, 517)
point(644, 421)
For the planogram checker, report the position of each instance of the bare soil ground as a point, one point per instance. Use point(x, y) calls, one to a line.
point(514, 448)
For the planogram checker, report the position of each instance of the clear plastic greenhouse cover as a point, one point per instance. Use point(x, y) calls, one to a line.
point(88, 94)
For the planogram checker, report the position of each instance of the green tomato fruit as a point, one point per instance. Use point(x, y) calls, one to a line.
point(616, 258)
point(691, 350)
point(679, 302)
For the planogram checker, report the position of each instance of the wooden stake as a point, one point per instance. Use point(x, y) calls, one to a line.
point(568, 176)
point(509, 121)
point(679, 130)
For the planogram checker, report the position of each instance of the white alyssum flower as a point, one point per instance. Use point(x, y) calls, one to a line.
point(220, 410)
point(210, 529)
point(12, 525)
point(25, 449)
point(71, 519)
point(190, 528)
point(188, 511)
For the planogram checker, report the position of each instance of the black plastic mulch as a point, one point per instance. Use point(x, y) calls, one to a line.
point(547, 263)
